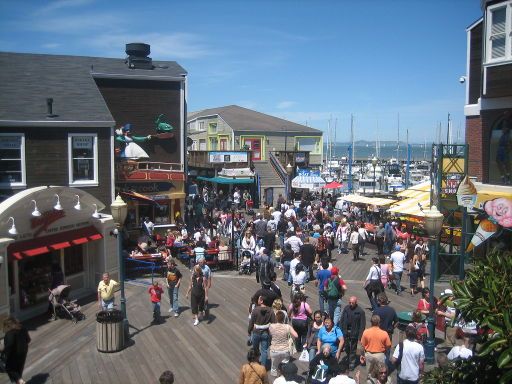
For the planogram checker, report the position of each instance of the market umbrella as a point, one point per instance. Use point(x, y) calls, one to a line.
point(333, 185)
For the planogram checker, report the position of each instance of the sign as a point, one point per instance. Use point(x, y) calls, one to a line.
point(300, 157)
point(148, 187)
point(228, 157)
point(82, 142)
point(308, 172)
point(10, 142)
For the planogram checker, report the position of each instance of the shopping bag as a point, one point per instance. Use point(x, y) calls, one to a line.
point(304, 356)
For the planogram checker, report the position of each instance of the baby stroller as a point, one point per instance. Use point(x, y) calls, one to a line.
point(62, 306)
point(246, 262)
point(249, 207)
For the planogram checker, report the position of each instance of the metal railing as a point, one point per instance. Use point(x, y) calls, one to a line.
point(281, 171)
point(140, 265)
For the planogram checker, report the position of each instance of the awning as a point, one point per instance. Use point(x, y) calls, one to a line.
point(308, 182)
point(378, 201)
point(227, 180)
point(40, 245)
point(139, 196)
point(333, 185)
point(410, 206)
point(416, 190)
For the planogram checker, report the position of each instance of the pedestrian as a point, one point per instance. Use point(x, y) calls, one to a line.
point(312, 336)
point(148, 227)
point(375, 342)
point(298, 281)
point(334, 288)
point(252, 372)
point(397, 261)
point(261, 317)
point(332, 335)
point(323, 365)
point(288, 374)
point(410, 356)
point(373, 283)
point(379, 239)
point(280, 333)
point(106, 289)
point(340, 375)
point(354, 243)
point(379, 375)
point(387, 314)
point(286, 259)
point(299, 312)
point(16, 341)
point(155, 292)
point(294, 241)
point(167, 377)
point(198, 289)
point(322, 276)
point(308, 252)
point(352, 323)
point(174, 277)
point(362, 239)
point(414, 268)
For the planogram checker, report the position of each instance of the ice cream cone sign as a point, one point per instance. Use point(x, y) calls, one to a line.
point(485, 230)
point(466, 193)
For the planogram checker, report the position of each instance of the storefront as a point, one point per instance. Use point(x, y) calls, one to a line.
point(49, 232)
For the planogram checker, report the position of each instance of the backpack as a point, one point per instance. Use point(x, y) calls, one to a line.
point(400, 355)
point(321, 244)
point(332, 288)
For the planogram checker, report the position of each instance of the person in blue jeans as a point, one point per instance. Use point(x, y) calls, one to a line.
point(261, 318)
point(322, 276)
point(155, 292)
point(173, 285)
point(286, 259)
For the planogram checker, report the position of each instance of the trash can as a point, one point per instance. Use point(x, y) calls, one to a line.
point(109, 331)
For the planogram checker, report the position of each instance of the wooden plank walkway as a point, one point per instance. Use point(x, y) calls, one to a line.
point(212, 352)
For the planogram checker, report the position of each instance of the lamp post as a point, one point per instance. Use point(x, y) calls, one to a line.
point(433, 225)
point(374, 163)
point(119, 210)
point(289, 170)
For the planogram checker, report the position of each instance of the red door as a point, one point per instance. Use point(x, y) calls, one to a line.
point(255, 147)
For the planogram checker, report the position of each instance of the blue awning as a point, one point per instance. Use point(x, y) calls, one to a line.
point(227, 180)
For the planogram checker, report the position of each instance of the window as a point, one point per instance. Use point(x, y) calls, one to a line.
point(201, 125)
point(83, 162)
point(311, 144)
point(213, 143)
point(12, 159)
point(202, 144)
point(73, 260)
point(499, 148)
point(212, 128)
point(499, 21)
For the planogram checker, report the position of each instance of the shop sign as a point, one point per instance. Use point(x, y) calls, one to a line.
point(307, 172)
point(228, 157)
point(148, 187)
point(10, 142)
point(82, 142)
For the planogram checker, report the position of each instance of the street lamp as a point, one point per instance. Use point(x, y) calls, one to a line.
point(289, 170)
point(433, 225)
point(374, 163)
point(119, 210)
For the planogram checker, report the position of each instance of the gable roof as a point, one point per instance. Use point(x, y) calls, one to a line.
point(244, 120)
point(29, 79)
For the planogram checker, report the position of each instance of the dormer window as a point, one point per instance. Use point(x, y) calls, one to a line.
point(499, 21)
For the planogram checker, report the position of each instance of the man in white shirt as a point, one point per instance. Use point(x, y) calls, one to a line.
point(290, 212)
point(236, 198)
point(293, 266)
point(354, 243)
point(276, 215)
point(413, 357)
point(341, 375)
point(397, 260)
point(362, 232)
point(294, 241)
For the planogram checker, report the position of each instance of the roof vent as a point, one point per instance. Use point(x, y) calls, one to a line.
point(138, 56)
point(49, 108)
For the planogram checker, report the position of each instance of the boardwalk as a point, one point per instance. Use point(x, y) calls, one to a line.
point(212, 352)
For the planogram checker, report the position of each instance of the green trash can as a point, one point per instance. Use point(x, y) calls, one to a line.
point(109, 331)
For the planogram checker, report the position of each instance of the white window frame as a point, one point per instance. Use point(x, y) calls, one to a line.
point(23, 182)
point(83, 183)
point(508, 33)
point(201, 126)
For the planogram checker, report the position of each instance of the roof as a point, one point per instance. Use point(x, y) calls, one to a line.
point(29, 79)
point(246, 120)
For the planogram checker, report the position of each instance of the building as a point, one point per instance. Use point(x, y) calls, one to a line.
point(60, 140)
point(489, 91)
point(273, 142)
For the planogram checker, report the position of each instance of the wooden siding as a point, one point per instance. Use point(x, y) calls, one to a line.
point(139, 102)
point(475, 64)
point(499, 81)
point(212, 352)
point(46, 158)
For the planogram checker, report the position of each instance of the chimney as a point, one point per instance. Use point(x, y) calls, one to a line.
point(138, 56)
point(49, 107)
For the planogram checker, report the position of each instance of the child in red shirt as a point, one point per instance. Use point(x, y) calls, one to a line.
point(155, 291)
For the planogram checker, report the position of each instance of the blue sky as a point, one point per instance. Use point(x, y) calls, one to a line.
point(305, 61)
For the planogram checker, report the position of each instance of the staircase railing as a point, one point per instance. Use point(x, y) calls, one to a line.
point(281, 171)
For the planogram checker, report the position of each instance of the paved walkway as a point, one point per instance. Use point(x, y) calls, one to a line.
point(62, 352)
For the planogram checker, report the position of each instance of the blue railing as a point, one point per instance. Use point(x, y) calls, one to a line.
point(140, 265)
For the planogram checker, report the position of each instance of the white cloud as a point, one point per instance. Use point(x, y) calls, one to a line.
point(62, 4)
point(51, 45)
point(285, 104)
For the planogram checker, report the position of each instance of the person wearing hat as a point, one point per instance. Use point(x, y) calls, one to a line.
point(397, 260)
point(131, 150)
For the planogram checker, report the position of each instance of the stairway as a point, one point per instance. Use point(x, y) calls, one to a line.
point(268, 175)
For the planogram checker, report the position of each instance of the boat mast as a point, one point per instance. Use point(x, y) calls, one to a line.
point(398, 139)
